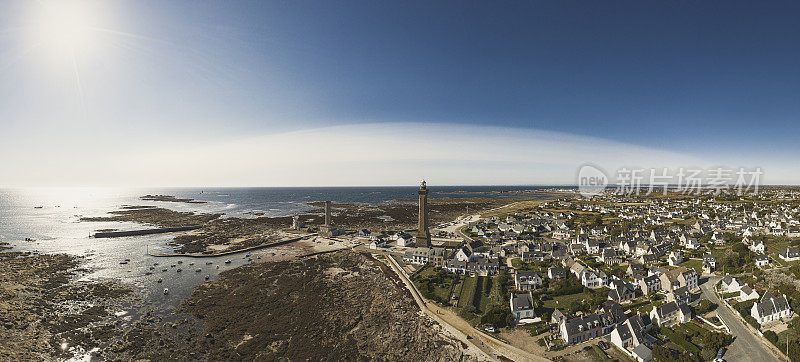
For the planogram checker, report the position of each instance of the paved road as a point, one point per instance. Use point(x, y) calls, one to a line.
point(745, 346)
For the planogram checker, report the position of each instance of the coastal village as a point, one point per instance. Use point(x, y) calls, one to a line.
point(615, 277)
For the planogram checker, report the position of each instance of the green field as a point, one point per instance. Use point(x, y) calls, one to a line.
point(562, 301)
point(697, 265)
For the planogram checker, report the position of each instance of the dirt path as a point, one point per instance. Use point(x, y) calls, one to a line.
point(492, 348)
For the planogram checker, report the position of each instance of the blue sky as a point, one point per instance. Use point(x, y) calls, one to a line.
point(703, 79)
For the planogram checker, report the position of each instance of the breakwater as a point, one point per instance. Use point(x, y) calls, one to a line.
point(117, 234)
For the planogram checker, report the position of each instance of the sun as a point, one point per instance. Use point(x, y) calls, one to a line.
point(67, 27)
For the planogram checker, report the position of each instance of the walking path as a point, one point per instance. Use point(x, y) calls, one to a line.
point(491, 347)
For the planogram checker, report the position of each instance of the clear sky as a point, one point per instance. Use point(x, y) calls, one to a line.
point(168, 92)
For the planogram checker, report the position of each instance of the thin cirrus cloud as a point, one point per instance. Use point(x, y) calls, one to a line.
point(388, 154)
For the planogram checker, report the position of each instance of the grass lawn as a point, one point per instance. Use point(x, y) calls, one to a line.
point(562, 301)
point(599, 354)
point(697, 265)
point(467, 292)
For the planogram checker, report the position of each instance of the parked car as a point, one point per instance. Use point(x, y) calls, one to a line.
point(587, 348)
point(602, 345)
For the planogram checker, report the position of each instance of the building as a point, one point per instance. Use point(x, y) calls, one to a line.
point(670, 313)
point(730, 284)
point(711, 259)
point(650, 284)
point(675, 258)
point(770, 308)
point(403, 239)
point(679, 277)
point(594, 279)
point(789, 254)
point(556, 272)
point(435, 256)
point(761, 260)
point(632, 338)
point(680, 295)
point(522, 307)
point(582, 329)
point(527, 280)
point(327, 229)
point(621, 293)
point(423, 237)
point(747, 293)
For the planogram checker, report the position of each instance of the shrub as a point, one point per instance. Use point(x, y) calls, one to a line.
point(771, 336)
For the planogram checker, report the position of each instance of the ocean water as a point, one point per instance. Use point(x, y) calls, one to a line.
point(50, 216)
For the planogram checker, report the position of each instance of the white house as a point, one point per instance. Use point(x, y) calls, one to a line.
point(730, 284)
point(789, 254)
point(670, 313)
point(770, 308)
point(761, 260)
point(631, 337)
point(675, 258)
point(747, 293)
point(404, 239)
point(527, 280)
point(379, 243)
point(594, 279)
point(522, 306)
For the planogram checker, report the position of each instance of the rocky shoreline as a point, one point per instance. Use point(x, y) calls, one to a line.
point(339, 306)
point(46, 314)
point(228, 234)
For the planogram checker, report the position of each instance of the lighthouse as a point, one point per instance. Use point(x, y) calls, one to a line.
point(423, 237)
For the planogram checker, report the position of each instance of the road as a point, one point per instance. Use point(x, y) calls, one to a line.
point(490, 347)
point(746, 346)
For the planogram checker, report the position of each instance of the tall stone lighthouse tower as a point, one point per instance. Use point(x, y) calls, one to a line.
point(423, 237)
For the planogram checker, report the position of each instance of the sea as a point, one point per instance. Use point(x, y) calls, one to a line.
point(49, 217)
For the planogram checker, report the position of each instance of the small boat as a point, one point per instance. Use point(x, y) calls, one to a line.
point(209, 263)
point(38, 207)
point(148, 273)
point(123, 262)
point(160, 280)
point(198, 270)
point(180, 261)
point(227, 261)
point(208, 277)
point(192, 263)
point(217, 266)
point(155, 264)
point(166, 291)
point(152, 268)
point(163, 270)
point(179, 270)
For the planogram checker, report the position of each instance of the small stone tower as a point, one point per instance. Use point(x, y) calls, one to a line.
point(423, 237)
point(327, 229)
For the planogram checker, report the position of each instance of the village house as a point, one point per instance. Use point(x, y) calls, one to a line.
point(789, 254)
point(622, 292)
point(761, 260)
point(522, 307)
point(747, 293)
point(679, 277)
point(680, 295)
point(670, 313)
point(770, 308)
point(527, 280)
point(556, 272)
point(436, 256)
point(594, 279)
point(650, 284)
point(730, 284)
point(632, 338)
